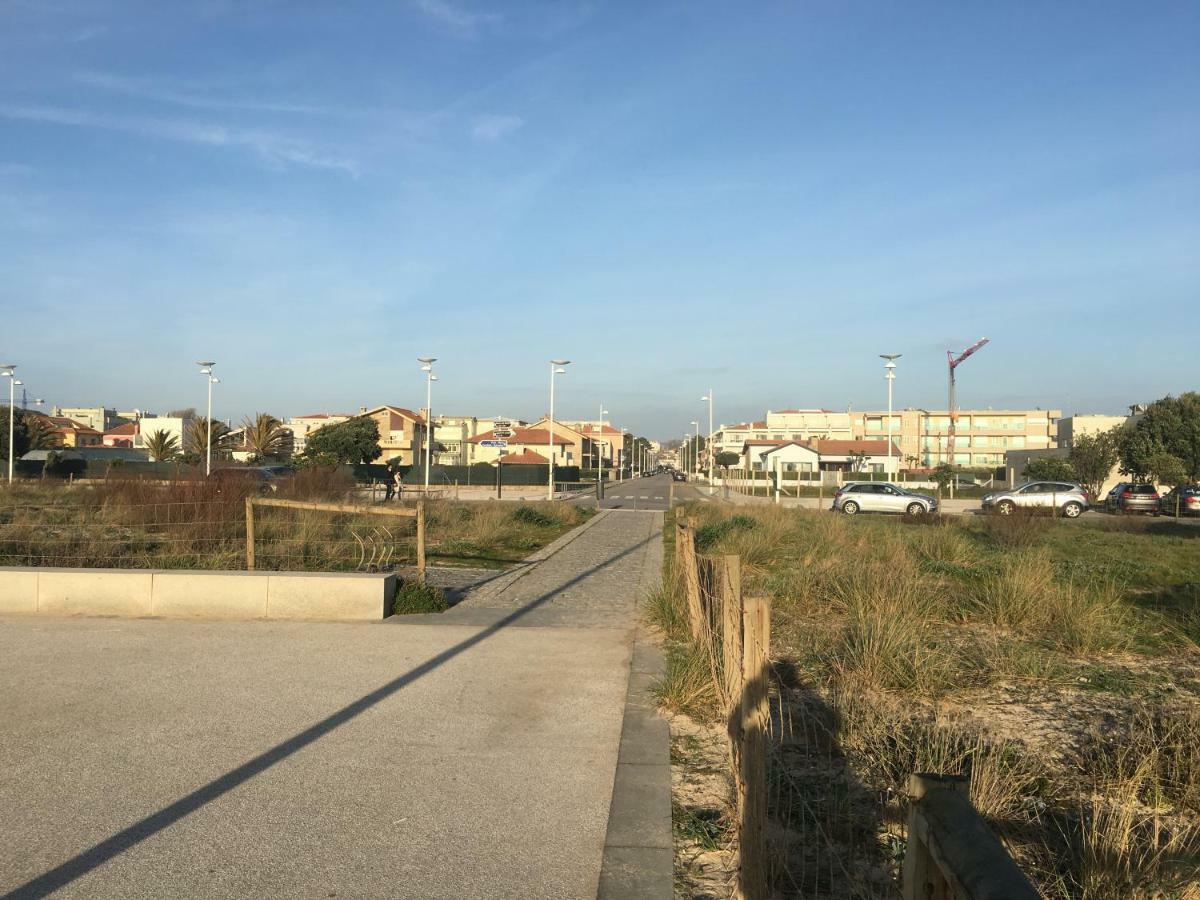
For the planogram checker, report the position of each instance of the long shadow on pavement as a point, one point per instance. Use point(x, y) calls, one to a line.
point(123, 840)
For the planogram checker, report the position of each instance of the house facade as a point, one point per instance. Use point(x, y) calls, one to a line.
point(401, 433)
point(523, 441)
point(302, 426)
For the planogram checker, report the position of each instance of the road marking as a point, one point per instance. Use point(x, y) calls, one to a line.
point(643, 497)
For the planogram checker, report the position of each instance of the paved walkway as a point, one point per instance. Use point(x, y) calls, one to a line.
point(469, 755)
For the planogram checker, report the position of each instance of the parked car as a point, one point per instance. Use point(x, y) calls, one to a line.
point(1110, 499)
point(882, 497)
point(1185, 499)
point(678, 476)
point(261, 478)
point(1139, 498)
point(1064, 497)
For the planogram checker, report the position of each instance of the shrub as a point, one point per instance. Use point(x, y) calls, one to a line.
point(412, 597)
point(529, 515)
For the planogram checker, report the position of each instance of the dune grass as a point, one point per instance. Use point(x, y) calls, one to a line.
point(1056, 662)
point(197, 524)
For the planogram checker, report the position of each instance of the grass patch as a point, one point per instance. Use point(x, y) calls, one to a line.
point(412, 598)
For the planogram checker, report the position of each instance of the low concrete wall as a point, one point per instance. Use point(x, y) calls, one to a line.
point(196, 594)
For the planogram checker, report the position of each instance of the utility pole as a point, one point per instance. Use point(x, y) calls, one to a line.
point(890, 366)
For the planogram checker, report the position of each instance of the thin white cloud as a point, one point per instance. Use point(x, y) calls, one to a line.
point(155, 91)
point(270, 146)
point(455, 17)
point(492, 128)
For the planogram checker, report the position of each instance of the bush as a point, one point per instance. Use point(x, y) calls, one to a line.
point(530, 516)
point(412, 598)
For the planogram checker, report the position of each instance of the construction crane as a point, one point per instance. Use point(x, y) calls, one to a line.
point(954, 362)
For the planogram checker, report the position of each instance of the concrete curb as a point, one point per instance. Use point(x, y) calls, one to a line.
point(496, 585)
point(639, 850)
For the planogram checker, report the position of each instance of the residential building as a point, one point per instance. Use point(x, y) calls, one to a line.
point(787, 456)
point(97, 418)
point(452, 436)
point(302, 426)
point(524, 458)
point(581, 452)
point(982, 436)
point(75, 434)
point(1090, 424)
point(175, 426)
point(122, 436)
point(784, 426)
point(401, 433)
point(858, 456)
point(606, 445)
point(525, 440)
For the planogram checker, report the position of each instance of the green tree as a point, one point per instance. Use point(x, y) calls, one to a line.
point(1093, 457)
point(1167, 469)
point(727, 458)
point(1049, 468)
point(1170, 425)
point(943, 474)
point(353, 441)
point(163, 446)
point(264, 435)
point(195, 440)
point(20, 432)
point(42, 435)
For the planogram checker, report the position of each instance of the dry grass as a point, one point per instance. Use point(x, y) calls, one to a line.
point(199, 524)
point(882, 626)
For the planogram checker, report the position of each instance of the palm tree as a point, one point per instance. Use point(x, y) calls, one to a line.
point(264, 435)
point(42, 435)
point(162, 446)
point(196, 436)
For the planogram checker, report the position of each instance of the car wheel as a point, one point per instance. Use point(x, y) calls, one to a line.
point(1072, 510)
point(916, 509)
point(1006, 507)
point(850, 508)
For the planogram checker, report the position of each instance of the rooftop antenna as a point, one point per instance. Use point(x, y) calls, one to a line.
point(954, 362)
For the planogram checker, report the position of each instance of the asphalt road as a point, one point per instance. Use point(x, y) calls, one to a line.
point(638, 493)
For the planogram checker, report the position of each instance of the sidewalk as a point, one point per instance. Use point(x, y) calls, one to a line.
point(469, 755)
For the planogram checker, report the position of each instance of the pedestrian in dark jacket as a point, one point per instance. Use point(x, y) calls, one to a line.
point(389, 483)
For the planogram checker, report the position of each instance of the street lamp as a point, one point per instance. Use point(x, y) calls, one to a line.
point(709, 400)
point(600, 447)
point(427, 367)
point(6, 371)
point(206, 369)
point(556, 368)
point(696, 451)
point(890, 367)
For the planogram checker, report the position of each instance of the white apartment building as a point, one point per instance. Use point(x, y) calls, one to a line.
point(302, 426)
point(97, 417)
point(175, 426)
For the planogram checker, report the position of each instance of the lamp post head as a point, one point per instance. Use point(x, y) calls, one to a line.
point(18, 381)
point(559, 370)
point(428, 360)
point(215, 380)
point(432, 377)
point(560, 362)
point(6, 370)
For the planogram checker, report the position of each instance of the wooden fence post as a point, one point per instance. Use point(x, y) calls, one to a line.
point(249, 534)
point(731, 629)
point(691, 574)
point(752, 802)
point(921, 878)
point(420, 541)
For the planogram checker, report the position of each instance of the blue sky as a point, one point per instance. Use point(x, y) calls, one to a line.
point(754, 197)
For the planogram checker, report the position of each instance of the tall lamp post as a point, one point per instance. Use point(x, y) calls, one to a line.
point(696, 451)
point(6, 371)
point(709, 399)
point(427, 367)
point(600, 447)
point(206, 369)
point(557, 367)
point(890, 368)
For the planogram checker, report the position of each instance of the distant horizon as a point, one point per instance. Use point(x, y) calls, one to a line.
point(755, 200)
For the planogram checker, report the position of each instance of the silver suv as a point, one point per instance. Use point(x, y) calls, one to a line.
point(1065, 497)
point(880, 496)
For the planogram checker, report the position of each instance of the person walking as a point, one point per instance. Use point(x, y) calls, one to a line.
point(398, 483)
point(389, 484)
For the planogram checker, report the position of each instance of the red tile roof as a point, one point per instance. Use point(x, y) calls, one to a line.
point(121, 430)
point(62, 423)
point(536, 436)
point(524, 458)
